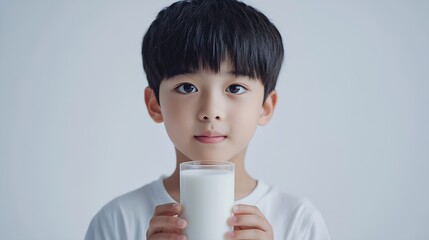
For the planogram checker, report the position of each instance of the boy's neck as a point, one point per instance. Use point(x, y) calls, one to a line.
point(244, 183)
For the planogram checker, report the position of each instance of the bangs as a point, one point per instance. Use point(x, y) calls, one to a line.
point(193, 35)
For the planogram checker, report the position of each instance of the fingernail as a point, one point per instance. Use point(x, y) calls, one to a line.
point(181, 237)
point(230, 235)
point(235, 208)
point(176, 205)
point(181, 223)
point(233, 219)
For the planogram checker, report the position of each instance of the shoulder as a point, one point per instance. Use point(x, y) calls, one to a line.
point(124, 213)
point(131, 201)
point(276, 201)
point(293, 216)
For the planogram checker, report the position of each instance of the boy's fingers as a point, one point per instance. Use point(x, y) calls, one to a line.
point(169, 209)
point(165, 224)
point(248, 234)
point(167, 236)
point(247, 217)
point(250, 221)
point(246, 209)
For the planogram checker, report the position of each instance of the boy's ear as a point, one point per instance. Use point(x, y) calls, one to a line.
point(268, 108)
point(152, 105)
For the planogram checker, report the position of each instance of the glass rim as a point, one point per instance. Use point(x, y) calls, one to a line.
point(206, 164)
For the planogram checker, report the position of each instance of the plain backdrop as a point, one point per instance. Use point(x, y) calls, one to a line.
point(350, 132)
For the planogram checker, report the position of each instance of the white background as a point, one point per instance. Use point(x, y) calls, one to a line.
point(350, 132)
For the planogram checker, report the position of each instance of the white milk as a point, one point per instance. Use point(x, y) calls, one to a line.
point(207, 197)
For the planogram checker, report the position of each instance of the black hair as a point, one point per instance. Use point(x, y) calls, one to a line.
point(201, 34)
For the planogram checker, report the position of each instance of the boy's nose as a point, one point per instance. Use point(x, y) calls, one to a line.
point(206, 118)
point(207, 115)
point(211, 109)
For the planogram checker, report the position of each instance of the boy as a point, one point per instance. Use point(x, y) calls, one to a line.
point(212, 66)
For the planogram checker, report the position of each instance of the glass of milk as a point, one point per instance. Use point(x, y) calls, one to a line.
point(207, 197)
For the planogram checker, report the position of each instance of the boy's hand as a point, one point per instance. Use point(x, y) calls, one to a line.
point(249, 223)
point(165, 224)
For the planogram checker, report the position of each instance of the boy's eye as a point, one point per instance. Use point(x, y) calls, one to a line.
point(186, 88)
point(236, 89)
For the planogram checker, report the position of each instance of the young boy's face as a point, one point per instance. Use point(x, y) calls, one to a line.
point(211, 116)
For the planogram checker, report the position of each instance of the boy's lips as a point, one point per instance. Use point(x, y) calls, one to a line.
point(210, 137)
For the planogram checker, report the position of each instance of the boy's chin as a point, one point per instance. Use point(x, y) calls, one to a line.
point(209, 160)
point(216, 155)
point(209, 157)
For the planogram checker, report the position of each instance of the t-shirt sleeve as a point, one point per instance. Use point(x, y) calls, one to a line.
point(102, 227)
point(315, 228)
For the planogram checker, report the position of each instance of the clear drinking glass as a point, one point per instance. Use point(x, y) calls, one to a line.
point(207, 197)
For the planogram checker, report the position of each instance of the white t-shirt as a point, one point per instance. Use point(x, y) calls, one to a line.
point(127, 217)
